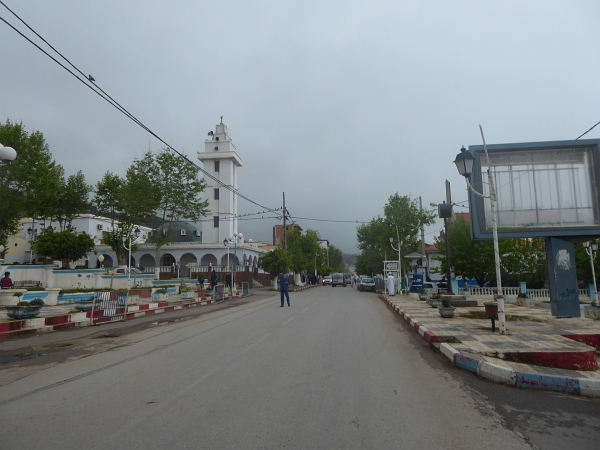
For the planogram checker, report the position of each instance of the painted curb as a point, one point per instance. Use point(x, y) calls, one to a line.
point(500, 374)
point(82, 319)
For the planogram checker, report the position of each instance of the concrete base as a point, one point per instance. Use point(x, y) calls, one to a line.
point(458, 300)
point(570, 322)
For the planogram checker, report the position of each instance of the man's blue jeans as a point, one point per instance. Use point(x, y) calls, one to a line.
point(287, 295)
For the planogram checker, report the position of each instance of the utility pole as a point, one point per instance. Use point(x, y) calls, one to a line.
point(284, 225)
point(422, 228)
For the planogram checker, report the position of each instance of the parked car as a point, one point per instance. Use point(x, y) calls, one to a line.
point(338, 279)
point(430, 288)
point(366, 284)
point(442, 286)
point(327, 279)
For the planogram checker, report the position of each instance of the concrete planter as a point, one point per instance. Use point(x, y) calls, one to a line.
point(446, 312)
point(159, 296)
point(434, 302)
point(188, 294)
point(528, 301)
point(591, 312)
point(22, 312)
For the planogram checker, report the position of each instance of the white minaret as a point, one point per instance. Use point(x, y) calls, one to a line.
point(220, 159)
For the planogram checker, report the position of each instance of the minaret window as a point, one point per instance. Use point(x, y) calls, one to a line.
point(216, 194)
point(217, 166)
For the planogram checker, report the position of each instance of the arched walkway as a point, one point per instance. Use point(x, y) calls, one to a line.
point(108, 262)
point(167, 260)
point(209, 259)
point(146, 260)
point(224, 259)
point(186, 259)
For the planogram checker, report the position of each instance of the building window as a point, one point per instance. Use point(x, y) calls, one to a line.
point(216, 194)
point(217, 166)
point(216, 221)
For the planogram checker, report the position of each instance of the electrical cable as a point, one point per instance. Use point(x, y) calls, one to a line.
point(588, 131)
point(115, 104)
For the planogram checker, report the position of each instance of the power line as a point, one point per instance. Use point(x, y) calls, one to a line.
point(589, 130)
point(114, 103)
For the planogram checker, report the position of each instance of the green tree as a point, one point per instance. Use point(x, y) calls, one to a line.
point(28, 185)
point(336, 259)
point(109, 201)
point(402, 220)
point(303, 250)
point(163, 186)
point(73, 199)
point(520, 259)
point(66, 245)
point(275, 261)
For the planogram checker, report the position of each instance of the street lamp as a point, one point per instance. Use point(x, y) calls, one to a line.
point(7, 155)
point(391, 238)
point(591, 250)
point(137, 235)
point(236, 236)
point(226, 243)
point(464, 163)
point(101, 260)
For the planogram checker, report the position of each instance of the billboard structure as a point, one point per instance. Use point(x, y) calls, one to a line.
point(544, 189)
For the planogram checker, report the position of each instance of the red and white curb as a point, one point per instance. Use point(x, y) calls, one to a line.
point(500, 374)
point(38, 325)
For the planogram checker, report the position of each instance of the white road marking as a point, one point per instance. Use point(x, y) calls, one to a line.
point(288, 321)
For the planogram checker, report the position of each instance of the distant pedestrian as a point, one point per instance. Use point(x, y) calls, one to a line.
point(352, 281)
point(214, 278)
point(284, 284)
point(391, 285)
point(6, 282)
point(228, 280)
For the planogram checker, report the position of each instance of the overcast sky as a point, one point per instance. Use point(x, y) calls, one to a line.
point(338, 103)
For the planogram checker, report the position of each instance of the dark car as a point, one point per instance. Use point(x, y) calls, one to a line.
point(366, 284)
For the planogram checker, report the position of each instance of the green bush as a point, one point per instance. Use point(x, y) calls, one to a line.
point(36, 302)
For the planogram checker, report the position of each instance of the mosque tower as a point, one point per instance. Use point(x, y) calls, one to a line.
point(220, 159)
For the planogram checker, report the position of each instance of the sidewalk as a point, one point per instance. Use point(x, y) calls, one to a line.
point(536, 353)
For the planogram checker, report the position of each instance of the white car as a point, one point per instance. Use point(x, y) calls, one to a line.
point(430, 288)
point(328, 279)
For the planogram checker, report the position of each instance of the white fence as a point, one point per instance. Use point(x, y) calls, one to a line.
point(514, 291)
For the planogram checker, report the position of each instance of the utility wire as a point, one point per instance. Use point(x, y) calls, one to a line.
point(114, 103)
point(589, 130)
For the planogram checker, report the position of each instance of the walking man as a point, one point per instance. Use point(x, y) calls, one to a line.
point(214, 278)
point(391, 284)
point(284, 284)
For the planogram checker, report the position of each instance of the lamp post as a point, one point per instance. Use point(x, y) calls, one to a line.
point(137, 235)
point(226, 243)
point(464, 163)
point(236, 236)
point(391, 238)
point(591, 250)
point(101, 260)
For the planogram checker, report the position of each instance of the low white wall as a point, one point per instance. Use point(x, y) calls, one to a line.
point(52, 277)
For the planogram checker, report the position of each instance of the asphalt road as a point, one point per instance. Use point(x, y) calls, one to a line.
point(335, 370)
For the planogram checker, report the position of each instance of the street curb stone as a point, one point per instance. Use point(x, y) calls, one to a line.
point(500, 374)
